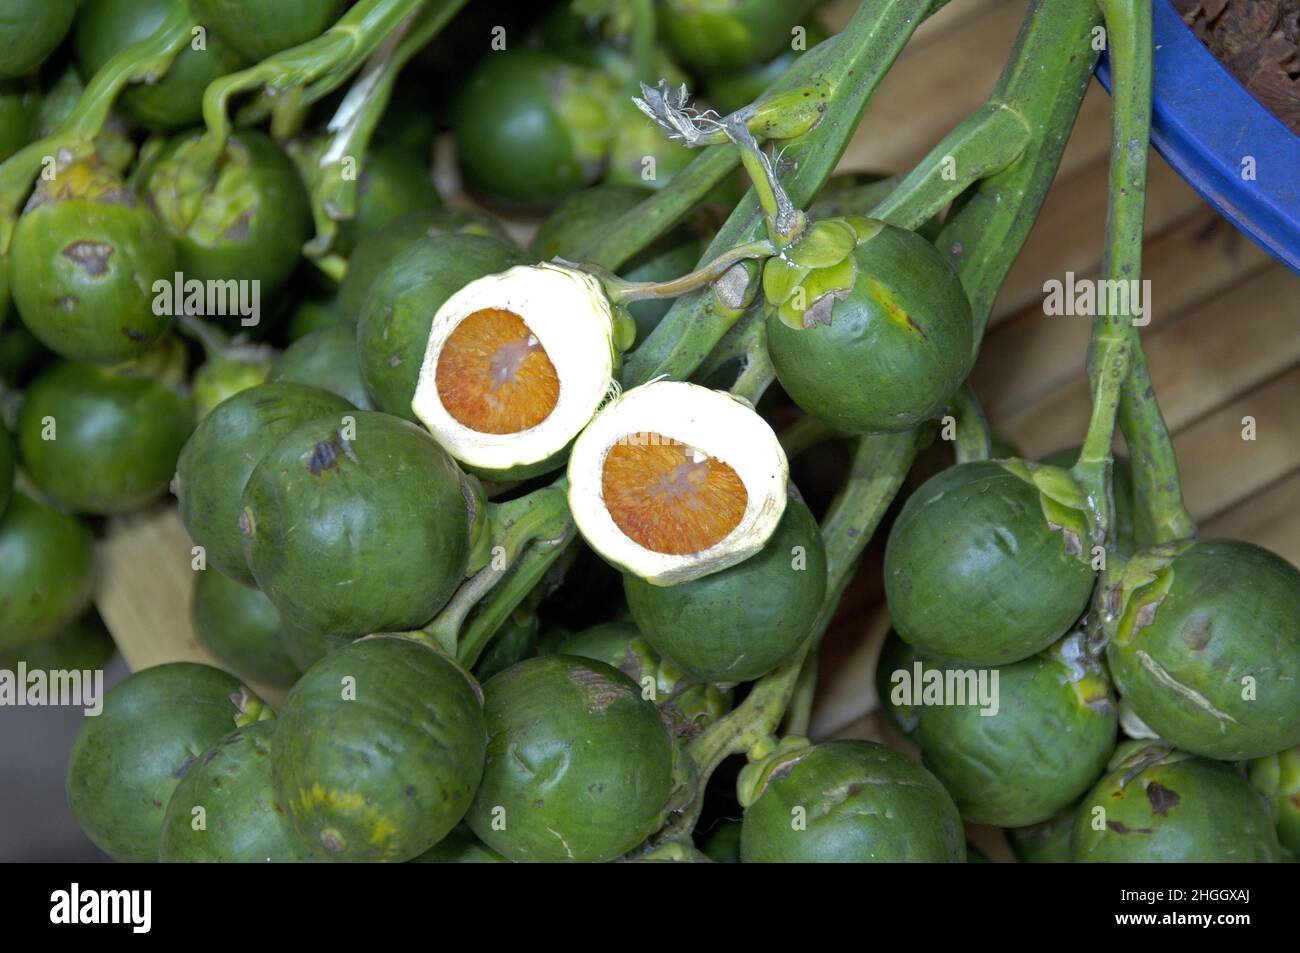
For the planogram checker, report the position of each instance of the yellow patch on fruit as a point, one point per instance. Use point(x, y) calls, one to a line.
point(895, 311)
point(316, 796)
point(494, 376)
point(669, 497)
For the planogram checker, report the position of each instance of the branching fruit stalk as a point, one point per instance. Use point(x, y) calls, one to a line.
point(334, 196)
point(317, 67)
point(141, 62)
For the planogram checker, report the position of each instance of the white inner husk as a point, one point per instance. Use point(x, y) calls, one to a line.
point(713, 422)
point(568, 313)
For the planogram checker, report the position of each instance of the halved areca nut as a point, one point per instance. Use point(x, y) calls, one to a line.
point(516, 365)
point(673, 481)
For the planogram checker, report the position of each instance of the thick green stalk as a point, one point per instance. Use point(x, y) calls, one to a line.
point(974, 441)
point(320, 65)
point(986, 142)
point(1043, 82)
point(1161, 514)
point(152, 57)
point(334, 197)
point(853, 64)
point(880, 464)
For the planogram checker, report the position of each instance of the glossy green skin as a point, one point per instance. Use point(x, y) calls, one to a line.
point(256, 235)
point(259, 28)
point(83, 645)
point(368, 537)
point(375, 252)
point(1231, 614)
point(96, 308)
point(727, 34)
point(1193, 811)
point(116, 438)
point(394, 326)
point(6, 468)
point(740, 623)
point(106, 27)
point(459, 847)
point(386, 773)
point(896, 349)
point(242, 823)
point(47, 570)
point(127, 761)
point(17, 117)
point(513, 143)
point(973, 572)
point(579, 219)
point(327, 359)
point(1121, 487)
point(215, 463)
point(581, 765)
point(29, 32)
point(863, 803)
point(240, 627)
point(394, 183)
point(1045, 843)
point(1037, 755)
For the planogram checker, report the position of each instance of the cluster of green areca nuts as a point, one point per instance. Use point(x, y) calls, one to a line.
point(495, 547)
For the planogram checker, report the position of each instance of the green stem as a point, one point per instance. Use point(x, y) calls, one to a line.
point(622, 291)
point(529, 570)
point(513, 526)
point(807, 432)
point(1043, 82)
point(985, 143)
point(880, 464)
point(799, 717)
point(1115, 336)
point(854, 65)
point(1162, 516)
point(150, 58)
point(334, 195)
point(757, 373)
point(974, 442)
point(321, 64)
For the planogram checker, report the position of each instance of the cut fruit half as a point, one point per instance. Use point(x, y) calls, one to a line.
point(673, 481)
point(516, 365)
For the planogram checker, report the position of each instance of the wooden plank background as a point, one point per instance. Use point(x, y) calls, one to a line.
point(1224, 344)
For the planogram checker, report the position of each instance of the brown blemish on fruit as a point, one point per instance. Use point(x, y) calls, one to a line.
point(1119, 827)
point(1146, 614)
point(332, 841)
point(185, 766)
point(134, 335)
point(246, 522)
point(599, 690)
point(1161, 799)
point(1196, 632)
point(325, 456)
point(90, 257)
point(241, 227)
